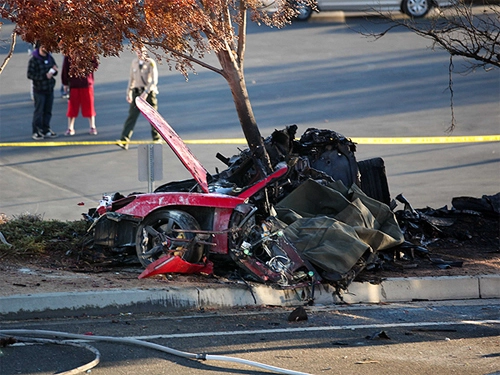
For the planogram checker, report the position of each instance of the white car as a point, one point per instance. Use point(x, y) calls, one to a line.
point(413, 8)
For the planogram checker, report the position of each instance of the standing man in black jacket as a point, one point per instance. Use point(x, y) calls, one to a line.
point(41, 70)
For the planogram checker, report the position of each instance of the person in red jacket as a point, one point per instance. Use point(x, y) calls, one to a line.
point(81, 95)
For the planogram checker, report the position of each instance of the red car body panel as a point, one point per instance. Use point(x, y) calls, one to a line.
point(175, 142)
point(223, 206)
point(143, 204)
point(176, 264)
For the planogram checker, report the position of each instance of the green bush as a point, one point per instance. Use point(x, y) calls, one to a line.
point(29, 235)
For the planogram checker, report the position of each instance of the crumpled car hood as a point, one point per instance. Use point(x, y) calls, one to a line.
point(175, 142)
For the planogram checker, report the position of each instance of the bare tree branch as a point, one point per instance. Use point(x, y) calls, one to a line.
point(450, 87)
point(462, 31)
point(11, 51)
point(184, 56)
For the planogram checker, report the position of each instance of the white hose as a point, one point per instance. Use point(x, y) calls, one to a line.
point(76, 370)
point(166, 349)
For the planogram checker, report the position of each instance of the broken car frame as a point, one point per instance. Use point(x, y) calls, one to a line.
point(186, 226)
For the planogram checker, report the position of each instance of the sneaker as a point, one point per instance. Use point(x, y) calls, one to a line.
point(122, 144)
point(69, 132)
point(37, 136)
point(93, 131)
point(50, 134)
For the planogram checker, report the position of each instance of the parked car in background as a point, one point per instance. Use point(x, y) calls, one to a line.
point(412, 8)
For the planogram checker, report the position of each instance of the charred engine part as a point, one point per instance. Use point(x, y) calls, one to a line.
point(178, 186)
point(487, 204)
point(374, 181)
point(280, 144)
point(333, 154)
point(263, 251)
point(330, 152)
point(222, 158)
point(327, 154)
point(407, 206)
point(301, 171)
point(241, 168)
point(114, 230)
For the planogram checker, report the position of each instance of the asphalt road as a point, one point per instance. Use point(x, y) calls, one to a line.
point(321, 74)
point(415, 338)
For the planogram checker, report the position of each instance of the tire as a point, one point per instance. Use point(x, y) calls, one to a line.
point(374, 180)
point(304, 12)
point(416, 8)
point(167, 221)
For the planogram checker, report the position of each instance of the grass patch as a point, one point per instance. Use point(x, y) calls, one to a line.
point(28, 235)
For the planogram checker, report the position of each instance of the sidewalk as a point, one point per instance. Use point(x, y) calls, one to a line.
point(211, 295)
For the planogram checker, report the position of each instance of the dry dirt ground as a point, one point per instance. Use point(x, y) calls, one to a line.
point(472, 242)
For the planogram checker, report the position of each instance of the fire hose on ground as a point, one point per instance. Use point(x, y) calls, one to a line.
point(25, 335)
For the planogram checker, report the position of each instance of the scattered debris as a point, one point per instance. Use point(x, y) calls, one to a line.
point(6, 341)
point(366, 361)
point(428, 231)
point(297, 315)
point(445, 263)
point(382, 335)
point(487, 204)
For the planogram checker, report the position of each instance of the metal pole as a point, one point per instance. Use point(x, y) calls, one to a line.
point(150, 168)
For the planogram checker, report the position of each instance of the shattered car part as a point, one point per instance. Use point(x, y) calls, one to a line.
point(185, 226)
point(176, 264)
point(264, 251)
point(436, 228)
point(487, 204)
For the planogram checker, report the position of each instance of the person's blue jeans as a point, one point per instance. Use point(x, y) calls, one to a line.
point(43, 112)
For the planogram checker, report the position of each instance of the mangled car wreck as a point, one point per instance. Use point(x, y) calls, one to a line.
point(321, 216)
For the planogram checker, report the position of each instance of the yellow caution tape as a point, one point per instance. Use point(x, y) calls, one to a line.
point(427, 140)
point(359, 140)
point(58, 144)
point(228, 141)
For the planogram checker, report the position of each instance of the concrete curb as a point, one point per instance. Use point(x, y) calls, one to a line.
point(189, 297)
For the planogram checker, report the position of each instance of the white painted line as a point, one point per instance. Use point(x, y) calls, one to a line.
point(316, 329)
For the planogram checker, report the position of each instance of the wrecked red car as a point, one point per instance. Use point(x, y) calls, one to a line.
point(239, 217)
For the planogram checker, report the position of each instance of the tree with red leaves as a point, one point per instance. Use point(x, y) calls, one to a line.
point(179, 32)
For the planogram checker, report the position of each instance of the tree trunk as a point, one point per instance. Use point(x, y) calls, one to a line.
point(236, 80)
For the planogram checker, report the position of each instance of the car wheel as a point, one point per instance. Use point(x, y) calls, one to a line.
point(153, 230)
point(416, 8)
point(304, 12)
